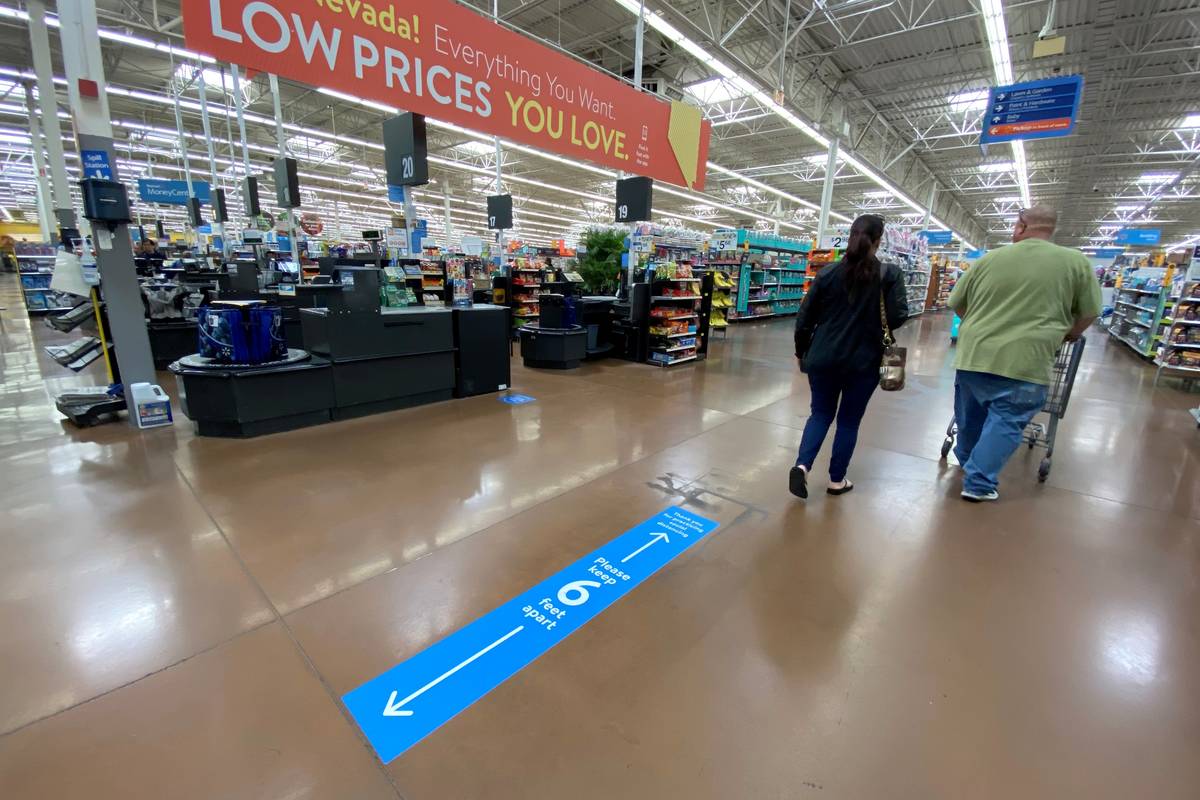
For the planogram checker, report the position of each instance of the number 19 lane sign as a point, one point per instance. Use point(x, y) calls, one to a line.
point(411, 700)
point(1034, 110)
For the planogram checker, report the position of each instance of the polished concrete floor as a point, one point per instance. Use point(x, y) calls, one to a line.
point(179, 616)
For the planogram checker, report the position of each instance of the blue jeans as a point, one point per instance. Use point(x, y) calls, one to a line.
point(992, 412)
point(842, 396)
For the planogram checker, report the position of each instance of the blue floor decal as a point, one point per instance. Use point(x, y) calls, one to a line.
point(411, 700)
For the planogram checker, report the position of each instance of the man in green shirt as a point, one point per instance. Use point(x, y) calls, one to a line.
point(1018, 304)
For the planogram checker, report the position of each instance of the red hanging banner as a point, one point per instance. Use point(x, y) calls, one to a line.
point(443, 60)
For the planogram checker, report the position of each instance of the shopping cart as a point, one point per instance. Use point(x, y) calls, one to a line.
point(1042, 434)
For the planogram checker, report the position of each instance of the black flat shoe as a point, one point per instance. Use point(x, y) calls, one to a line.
point(835, 492)
point(798, 483)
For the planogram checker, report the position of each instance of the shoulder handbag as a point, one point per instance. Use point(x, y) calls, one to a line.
point(891, 370)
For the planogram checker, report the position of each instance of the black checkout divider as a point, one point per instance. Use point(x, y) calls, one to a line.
point(360, 360)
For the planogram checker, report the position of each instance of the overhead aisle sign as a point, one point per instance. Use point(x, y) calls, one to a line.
point(171, 193)
point(442, 59)
point(1147, 237)
point(408, 702)
point(1035, 110)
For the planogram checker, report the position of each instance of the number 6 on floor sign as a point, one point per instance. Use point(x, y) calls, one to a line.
point(411, 700)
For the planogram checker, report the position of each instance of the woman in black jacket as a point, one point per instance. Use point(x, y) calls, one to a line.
point(839, 341)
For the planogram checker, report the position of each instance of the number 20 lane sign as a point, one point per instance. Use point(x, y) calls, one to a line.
point(411, 700)
point(443, 60)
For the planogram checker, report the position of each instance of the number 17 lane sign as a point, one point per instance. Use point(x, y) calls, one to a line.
point(411, 700)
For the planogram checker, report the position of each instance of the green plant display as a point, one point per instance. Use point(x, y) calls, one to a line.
point(600, 263)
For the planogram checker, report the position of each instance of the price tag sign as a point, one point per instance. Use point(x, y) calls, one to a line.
point(836, 238)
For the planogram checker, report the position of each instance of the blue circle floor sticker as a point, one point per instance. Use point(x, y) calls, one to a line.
point(517, 399)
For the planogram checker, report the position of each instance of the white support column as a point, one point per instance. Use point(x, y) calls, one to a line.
point(218, 227)
point(827, 190)
point(39, 42)
point(446, 209)
point(499, 155)
point(639, 38)
point(46, 220)
point(929, 206)
point(241, 118)
point(282, 139)
point(114, 250)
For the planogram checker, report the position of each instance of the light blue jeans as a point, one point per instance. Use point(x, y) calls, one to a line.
point(992, 412)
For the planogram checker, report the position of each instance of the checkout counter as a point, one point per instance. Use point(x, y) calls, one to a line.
point(357, 359)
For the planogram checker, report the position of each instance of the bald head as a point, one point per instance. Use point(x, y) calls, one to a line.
point(1038, 222)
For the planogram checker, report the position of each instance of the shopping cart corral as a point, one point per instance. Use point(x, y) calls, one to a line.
point(1039, 433)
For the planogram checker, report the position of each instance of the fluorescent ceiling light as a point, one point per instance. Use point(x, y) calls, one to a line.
point(997, 166)
point(114, 36)
point(997, 34)
point(311, 144)
point(877, 193)
point(1158, 177)
point(1191, 121)
point(477, 148)
point(1022, 171)
point(973, 100)
point(213, 79)
point(714, 90)
point(1127, 208)
point(1008, 199)
point(704, 55)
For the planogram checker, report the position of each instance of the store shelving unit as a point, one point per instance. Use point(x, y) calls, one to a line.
point(772, 277)
point(1179, 353)
point(677, 328)
point(945, 277)
point(910, 252)
point(37, 269)
point(1138, 312)
point(528, 275)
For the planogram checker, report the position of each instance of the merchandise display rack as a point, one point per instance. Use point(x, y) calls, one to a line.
point(677, 325)
point(945, 276)
point(528, 275)
point(770, 278)
point(1140, 305)
point(1180, 349)
point(910, 252)
point(36, 266)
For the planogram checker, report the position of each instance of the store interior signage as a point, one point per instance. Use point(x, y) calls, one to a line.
point(403, 705)
point(635, 199)
point(250, 196)
point(442, 59)
point(219, 208)
point(1136, 236)
point(287, 183)
point(500, 212)
point(1035, 110)
point(405, 152)
point(937, 237)
point(171, 193)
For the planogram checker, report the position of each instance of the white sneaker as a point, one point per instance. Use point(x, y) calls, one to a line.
point(990, 497)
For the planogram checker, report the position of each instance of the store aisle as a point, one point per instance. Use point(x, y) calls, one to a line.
point(180, 614)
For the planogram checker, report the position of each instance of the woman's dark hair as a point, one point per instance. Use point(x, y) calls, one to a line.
point(861, 266)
